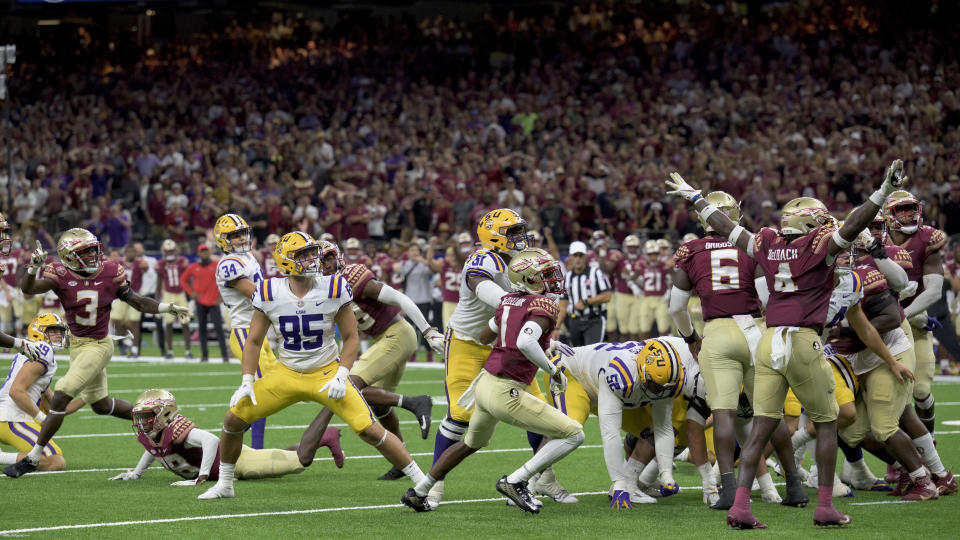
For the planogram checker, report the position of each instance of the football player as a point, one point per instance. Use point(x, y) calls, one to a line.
point(305, 305)
point(86, 285)
point(484, 281)
point(902, 215)
point(11, 312)
point(193, 453)
point(520, 329)
point(798, 264)
point(171, 266)
point(27, 388)
point(625, 305)
point(451, 267)
point(238, 275)
point(124, 318)
point(379, 310)
point(353, 253)
point(655, 279)
point(270, 269)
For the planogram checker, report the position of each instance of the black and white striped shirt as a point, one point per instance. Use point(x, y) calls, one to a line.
point(582, 286)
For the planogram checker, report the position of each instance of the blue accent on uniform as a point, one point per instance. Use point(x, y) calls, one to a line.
point(441, 443)
point(852, 453)
point(257, 430)
point(269, 283)
point(476, 272)
point(534, 439)
point(498, 262)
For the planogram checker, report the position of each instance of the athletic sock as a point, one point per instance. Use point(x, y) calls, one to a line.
point(8, 458)
point(649, 474)
point(825, 496)
point(226, 473)
point(634, 468)
point(918, 474)
point(424, 484)
point(766, 482)
point(742, 499)
point(449, 433)
point(931, 458)
point(413, 472)
point(257, 430)
point(553, 451)
point(35, 453)
point(520, 475)
point(728, 482)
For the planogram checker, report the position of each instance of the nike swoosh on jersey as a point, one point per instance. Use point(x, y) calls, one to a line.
point(97, 282)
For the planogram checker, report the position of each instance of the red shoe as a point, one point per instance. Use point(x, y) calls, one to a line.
point(331, 439)
point(892, 475)
point(903, 486)
point(830, 517)
point(945, 484)
point(743, 519)
point(922, 490)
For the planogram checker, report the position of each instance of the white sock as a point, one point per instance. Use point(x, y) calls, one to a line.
point(35, 453)
point(649, 474)
point(634, 468)
point(706, 474)
point(551, 452)
point(918, 474)
point(766, 483)
point(800, 437)
point(424, 484)
point(8, 458)
point(226, 474)
point(413, 472)
point(931, 458)
point(861, 467)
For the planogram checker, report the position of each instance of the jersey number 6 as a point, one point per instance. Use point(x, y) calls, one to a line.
point(297, 334)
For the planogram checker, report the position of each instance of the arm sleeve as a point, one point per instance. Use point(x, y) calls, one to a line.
point(760, 284)
point(490, 293)
point(932, 283)
point(678, 310)
point(894, 273)
point(209, 442)
point(610, 414)
point(528, 341)
point(663, 437)
point(145, 460)
point(389, 295)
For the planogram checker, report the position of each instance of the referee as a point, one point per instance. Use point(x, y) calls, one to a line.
point(584, 303)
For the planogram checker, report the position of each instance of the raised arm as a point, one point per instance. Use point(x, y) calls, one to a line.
point(31, 282)
point(860, 218)
point(737, 235)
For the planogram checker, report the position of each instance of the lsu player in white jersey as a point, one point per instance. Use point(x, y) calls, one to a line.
point(484, 281)
point(238, 275)
point(304, 306)
point(616, 381)
point(26, 387)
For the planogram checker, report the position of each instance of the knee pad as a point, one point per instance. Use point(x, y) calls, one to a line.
point(453, 429)
point(925, 403)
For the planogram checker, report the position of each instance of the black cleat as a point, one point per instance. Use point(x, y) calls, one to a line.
point(422, 408)
point(20, 468)
point(519, 494)
point(393, 474)
point(796, 494)
point(418, 503)
point(725, 502)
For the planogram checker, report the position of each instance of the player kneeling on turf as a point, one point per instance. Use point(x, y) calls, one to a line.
point(193, 453)
point(521, 326)
point(304, 306)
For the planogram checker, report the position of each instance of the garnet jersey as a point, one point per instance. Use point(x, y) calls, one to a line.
point(173, 453)
point(450, 281)
point(798, 275)
point(373, 316)
point(86, 299)
point(896, 254)
point(655, 278)
point(920, 245)
point(134, 273)
point(722, 276)
point(270, 268)
point(515, 309)
point(9, 410)
point(394, 271)
point(49, 301)
point(628, 269)
point(360, 258)
point(170, 272)
point(10, 265)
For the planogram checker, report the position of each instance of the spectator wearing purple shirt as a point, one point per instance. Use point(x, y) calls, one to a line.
point(117, 227)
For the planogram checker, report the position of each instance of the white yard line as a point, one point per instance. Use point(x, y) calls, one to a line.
point(881, 502)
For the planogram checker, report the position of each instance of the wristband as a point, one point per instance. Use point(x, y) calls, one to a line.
point(878, 197)
point(33, 270)
point(692, 338)
point(163, 307)
point(841, 241)
point(247, 378)
point(735, 234)
point(707, 211)
point(40, 417)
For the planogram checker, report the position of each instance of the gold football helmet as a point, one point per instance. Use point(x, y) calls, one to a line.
point(352, 249)
point(650, 247)
point(660, 367)
point(689, 237)
point(231, 227)
point(631, 245)
point(6, 242)
point(726, 204)
point(80, 251)
point(802, 215)
point(153, 411)
point(48, 327)
point(534, 271)
point(503, 231)
point(169, 250)
point(663, 244)
point(902, 212)
point(297, 254)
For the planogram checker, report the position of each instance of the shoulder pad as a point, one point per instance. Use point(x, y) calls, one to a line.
point(356, 274)
point(874, 282)
point(935, 241)
point(547, 307)
point(821, 238)
point(179, 429)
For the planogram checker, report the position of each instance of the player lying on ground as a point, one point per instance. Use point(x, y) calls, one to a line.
point(192, 453)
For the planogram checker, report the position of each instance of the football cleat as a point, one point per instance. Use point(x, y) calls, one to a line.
point(892, 475)
point(548, 485)
point(903, 485)
point(724, 502)
point(217, 491)
point(743, 519)
point(422, 408)
point(436, 494)
point(331, 439)
point(922, 490)
point(946, 485)
point(667, 490)
point(20, 468)
point(830, 517)
point(418, 503)
point(710, 496)
point(519, 494)
point(860, 477)
point(636, 496)
point(771, 496)
point(796, 495)
point(393, 474)
point(842, 490)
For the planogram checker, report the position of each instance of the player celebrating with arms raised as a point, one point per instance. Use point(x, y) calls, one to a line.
point(798, 262)
point(304, 306)
point(86, 285)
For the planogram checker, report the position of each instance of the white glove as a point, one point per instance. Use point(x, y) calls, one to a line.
point(37, 258)
point(337, 386)
point(246, 389)
point(863, 240)
point(909, 290)
point(635, 289)
point(558, 382)
point(919, 320)
point(185, 483)
point(894, 178)
point(32, 349)
point(434, 340)
point(129, 475)
point(557, 347)
point(182, 313)
point(681, 187)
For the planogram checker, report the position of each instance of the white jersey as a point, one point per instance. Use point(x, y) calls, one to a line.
point(846, 294)
point(305, 324)
point(609, 374)
point(470, 317)
point(238, 266)
point(9, 411)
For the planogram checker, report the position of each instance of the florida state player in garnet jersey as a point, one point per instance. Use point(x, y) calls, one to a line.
point(86, 285)
point(171, 266)
point(798, 262)
point(724, 278)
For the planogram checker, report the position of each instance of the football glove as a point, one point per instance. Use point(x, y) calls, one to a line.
point(558, 382)
point(182, 313)
point(434, 340)
point(129, 475)
point(245, 390)
point(932, 324)
point(185, 483)
point(621, 499)
point(681, 188)
point(894, 178)
point(37, 258)
point(336, 387)
point(34, 350)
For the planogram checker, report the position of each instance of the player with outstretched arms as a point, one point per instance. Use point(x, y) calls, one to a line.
point(520, 330)
point(86, 285)
point(798, 264)
point(304, 306)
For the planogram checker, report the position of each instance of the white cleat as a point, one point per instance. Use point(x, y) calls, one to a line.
point(840, 489)
point(636, 496)
point(547, 485)
point(435, 495)
point(771, 496)
point(683, 456)
point(859, 477)
point(218, 491)
point(812, 478)
point(711, 496)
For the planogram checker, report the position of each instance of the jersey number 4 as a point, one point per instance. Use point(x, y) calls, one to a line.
point(783, 279)
point(297, 334)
